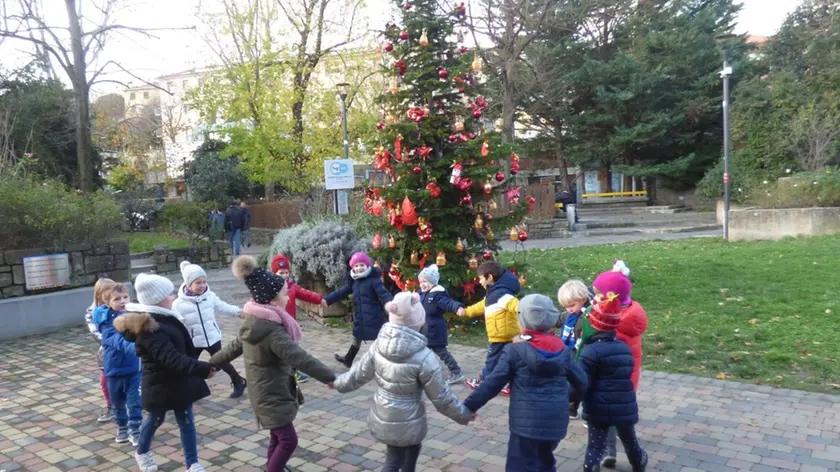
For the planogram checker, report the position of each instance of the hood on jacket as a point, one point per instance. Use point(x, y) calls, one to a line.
point(544, 363)
point(507, 284)
point(154, 310)
point(132, 325)
point(397, 343)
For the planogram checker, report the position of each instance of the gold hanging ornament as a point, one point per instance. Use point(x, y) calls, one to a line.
point(459, 246)
point(392, 242)
point(489, 235)
point(440, 260)
point(415, 258)
point(424, 39)
point(476, 63)
point(514, 234)
point(479, 223)
point(522, 280)
point(459, 124)
point(473, 263)
point(390, 118)
point(492, 205)
point(488, 187)
point(395, 86)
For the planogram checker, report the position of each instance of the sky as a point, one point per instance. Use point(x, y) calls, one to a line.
point(174, 51)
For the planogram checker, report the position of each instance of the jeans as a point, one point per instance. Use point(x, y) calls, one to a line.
point(598, 443)
point(235, 240)
point(401, 459)
point(228, 368)
point(124, 391)
point(530, 455)
point(103, 385)
point(246, 237)
point(494, 351)
point(186, 424)
point(447, 359)
point(281, 446)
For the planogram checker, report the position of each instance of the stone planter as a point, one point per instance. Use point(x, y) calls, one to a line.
point(720, 209)
point(337, 310)
point(753, 224)
point(214, 256)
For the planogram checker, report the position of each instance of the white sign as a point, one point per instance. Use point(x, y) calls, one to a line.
point(338, 174)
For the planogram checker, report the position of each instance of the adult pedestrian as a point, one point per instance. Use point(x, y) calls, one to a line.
point(246, 224)
point(234, 223)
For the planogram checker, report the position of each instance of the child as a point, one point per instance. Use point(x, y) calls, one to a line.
point(122, 366)
point(610, 401)
point(633, 324)
point(280, 266)
point(436, 302)
point(499, 307)
point(268, 338)
point(404, 369)
point(99, 289)
point(197, 304)
point(173, 377)
point(369, 295)
point(538, 366)
point(575, 298)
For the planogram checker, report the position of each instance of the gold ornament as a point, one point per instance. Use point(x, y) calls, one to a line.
point(479, 223)
point(522, 280)
point(491, 206)
point(459, 124)
point(514, 234)
point(489, 235)
point(476, 63)
point(488, 187)
point(395, 86)
point(421, 223)
point(424, 40)
point(459, 246)
point(473, 262)
point(392, 242)
point(440, 260)
point(391, 118)
point(415, 258)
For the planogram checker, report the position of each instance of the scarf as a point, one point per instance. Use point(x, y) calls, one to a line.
point(361, 275)
point(190, 293)
point(274, 314)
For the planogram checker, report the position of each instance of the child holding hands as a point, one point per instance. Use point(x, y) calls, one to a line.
point(436, 302)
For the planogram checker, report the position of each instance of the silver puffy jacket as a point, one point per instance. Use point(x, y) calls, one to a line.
point(404, 369)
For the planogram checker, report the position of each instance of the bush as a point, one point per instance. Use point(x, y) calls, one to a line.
point(189, 218)
point(802, 190)
point(48, 214)
point(318, 249)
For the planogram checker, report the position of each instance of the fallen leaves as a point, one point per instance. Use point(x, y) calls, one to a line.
point(722, 376)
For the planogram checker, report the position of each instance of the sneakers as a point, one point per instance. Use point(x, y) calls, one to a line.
point(455, 379)
point(106, 415)
point(238, 388)
point(573, 411)
point(146, 462)
point(196, 468)
point(300, 377)
point(643, 466)
point(608, 462)
point(132, 437)
point(506, 391)
point(472, 384)
point(122, 436)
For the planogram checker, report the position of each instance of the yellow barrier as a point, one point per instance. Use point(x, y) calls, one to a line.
point(638, 193)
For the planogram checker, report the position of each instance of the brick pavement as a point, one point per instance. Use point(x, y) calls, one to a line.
point(49, 399)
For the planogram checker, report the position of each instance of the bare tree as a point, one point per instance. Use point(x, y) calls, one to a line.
point(814, 138)
point(74, 48)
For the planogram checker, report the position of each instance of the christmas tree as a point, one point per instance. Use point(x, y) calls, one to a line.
point(440, 205)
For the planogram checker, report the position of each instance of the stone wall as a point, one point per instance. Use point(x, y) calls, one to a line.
point(87, 263)
point(213, 256)
point(751, 224)
point(545, 229)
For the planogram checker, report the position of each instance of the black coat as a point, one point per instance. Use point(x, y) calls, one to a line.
point(234, 218)
point(369, 299)
point(610, 398)
point(173, 377)
point(436, 302)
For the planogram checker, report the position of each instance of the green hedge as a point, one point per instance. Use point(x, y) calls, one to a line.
point(801, 190)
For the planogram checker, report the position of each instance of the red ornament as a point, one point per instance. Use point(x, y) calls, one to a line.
point(433, 188)
point(463, 49)
point(389, 47)
point(407, 6)
point(455, 179)
point(417, 115)
point(459, 79)
point(531, 201)
point(523, 235)
point(500, 176)
point(476, 114)
point(398, 147)
point(488, 254)
point(485, 148)
point(400, 66)
point(417, 170)
point(380, 125)
point(424, 151)
point(395, 220)
point(466, 200)
point(403, 35)
point(377, 241)
point(514, 163)
point(465, 184)
point(481, 103)
point(512, 195)
point(469, 289)
point(409, 213)
point(382, 158)
point(443, 73)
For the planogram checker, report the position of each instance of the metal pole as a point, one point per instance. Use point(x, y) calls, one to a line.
point(725, 73)
point(343, 96)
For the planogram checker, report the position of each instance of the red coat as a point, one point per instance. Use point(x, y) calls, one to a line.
point(295, 292)
point(632, 326)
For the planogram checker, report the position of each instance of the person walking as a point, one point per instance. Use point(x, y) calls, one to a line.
point(234, 223)
point(246, 224)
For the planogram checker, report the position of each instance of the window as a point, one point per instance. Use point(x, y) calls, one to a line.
point(132, 95)
point(146, 95)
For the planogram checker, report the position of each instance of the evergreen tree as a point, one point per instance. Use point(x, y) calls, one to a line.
point(440, 204)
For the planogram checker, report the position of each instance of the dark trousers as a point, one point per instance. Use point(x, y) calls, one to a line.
point(401, 459)
point(281, 446)
point(598, 443)
point(530, 455)
point(447, 359)
point(228, 368)
point(494, 351)
point(125, 398)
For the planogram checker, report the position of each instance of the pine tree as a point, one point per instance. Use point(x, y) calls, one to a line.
point(440, 204)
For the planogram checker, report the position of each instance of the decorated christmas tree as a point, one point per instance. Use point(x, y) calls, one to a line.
point(443, 167)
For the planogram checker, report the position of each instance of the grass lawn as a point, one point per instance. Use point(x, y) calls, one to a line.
point(146, 241)
point(763, 312)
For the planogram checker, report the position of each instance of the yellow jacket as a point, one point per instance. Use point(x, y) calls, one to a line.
point(500, 309)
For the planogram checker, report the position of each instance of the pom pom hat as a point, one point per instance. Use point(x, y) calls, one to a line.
point(263, 285)
point(190, 272)
point(431, 273)
point(280, 262)
point(360, 258)
point(616, 281)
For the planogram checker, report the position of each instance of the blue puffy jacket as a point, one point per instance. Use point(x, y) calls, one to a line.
point(436, 302)
point(611, 398)
point(120, 357)
point(539, 389)
point(369, 299)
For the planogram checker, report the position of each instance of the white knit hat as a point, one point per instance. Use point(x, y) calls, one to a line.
point(152, 289)
point(431, 273)
point(190, 272)
point(406, 310)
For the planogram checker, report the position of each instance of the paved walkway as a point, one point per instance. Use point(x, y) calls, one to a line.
point(49, 398)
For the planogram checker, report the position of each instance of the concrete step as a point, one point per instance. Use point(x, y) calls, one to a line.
point(647, 230)
point(140, 268)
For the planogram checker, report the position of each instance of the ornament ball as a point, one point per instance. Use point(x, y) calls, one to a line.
point(443, 73)
point(389, 47)
point(500, 176)
point(417, 170)
point(404, 35)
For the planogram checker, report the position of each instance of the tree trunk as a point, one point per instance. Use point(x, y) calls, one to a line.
point(82, 96)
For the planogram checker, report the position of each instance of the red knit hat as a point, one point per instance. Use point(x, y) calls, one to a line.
point(606, 314)
point(280, 262)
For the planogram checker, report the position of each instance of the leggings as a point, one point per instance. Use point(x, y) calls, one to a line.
point(401, 459)
point(598, 443)
point(228, 368)
point(103, 384)
point(281, 446)
point(447, 359)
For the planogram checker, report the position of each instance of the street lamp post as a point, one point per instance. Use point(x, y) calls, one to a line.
point(725, 73)
point(343, 88)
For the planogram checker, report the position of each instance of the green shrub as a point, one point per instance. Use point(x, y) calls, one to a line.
point(189, 218)
point(802, 190)
point(48, 214)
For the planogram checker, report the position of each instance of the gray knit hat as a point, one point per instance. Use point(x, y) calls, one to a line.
point(537, 313)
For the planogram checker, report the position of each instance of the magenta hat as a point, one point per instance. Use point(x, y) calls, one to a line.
point(614, 282)
point(360, 258)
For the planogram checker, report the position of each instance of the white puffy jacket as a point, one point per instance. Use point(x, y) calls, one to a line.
point(199, 314)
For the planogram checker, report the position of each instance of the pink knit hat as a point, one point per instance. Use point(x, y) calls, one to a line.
point(614, 282)
point(360, 258)
point(406, 310)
